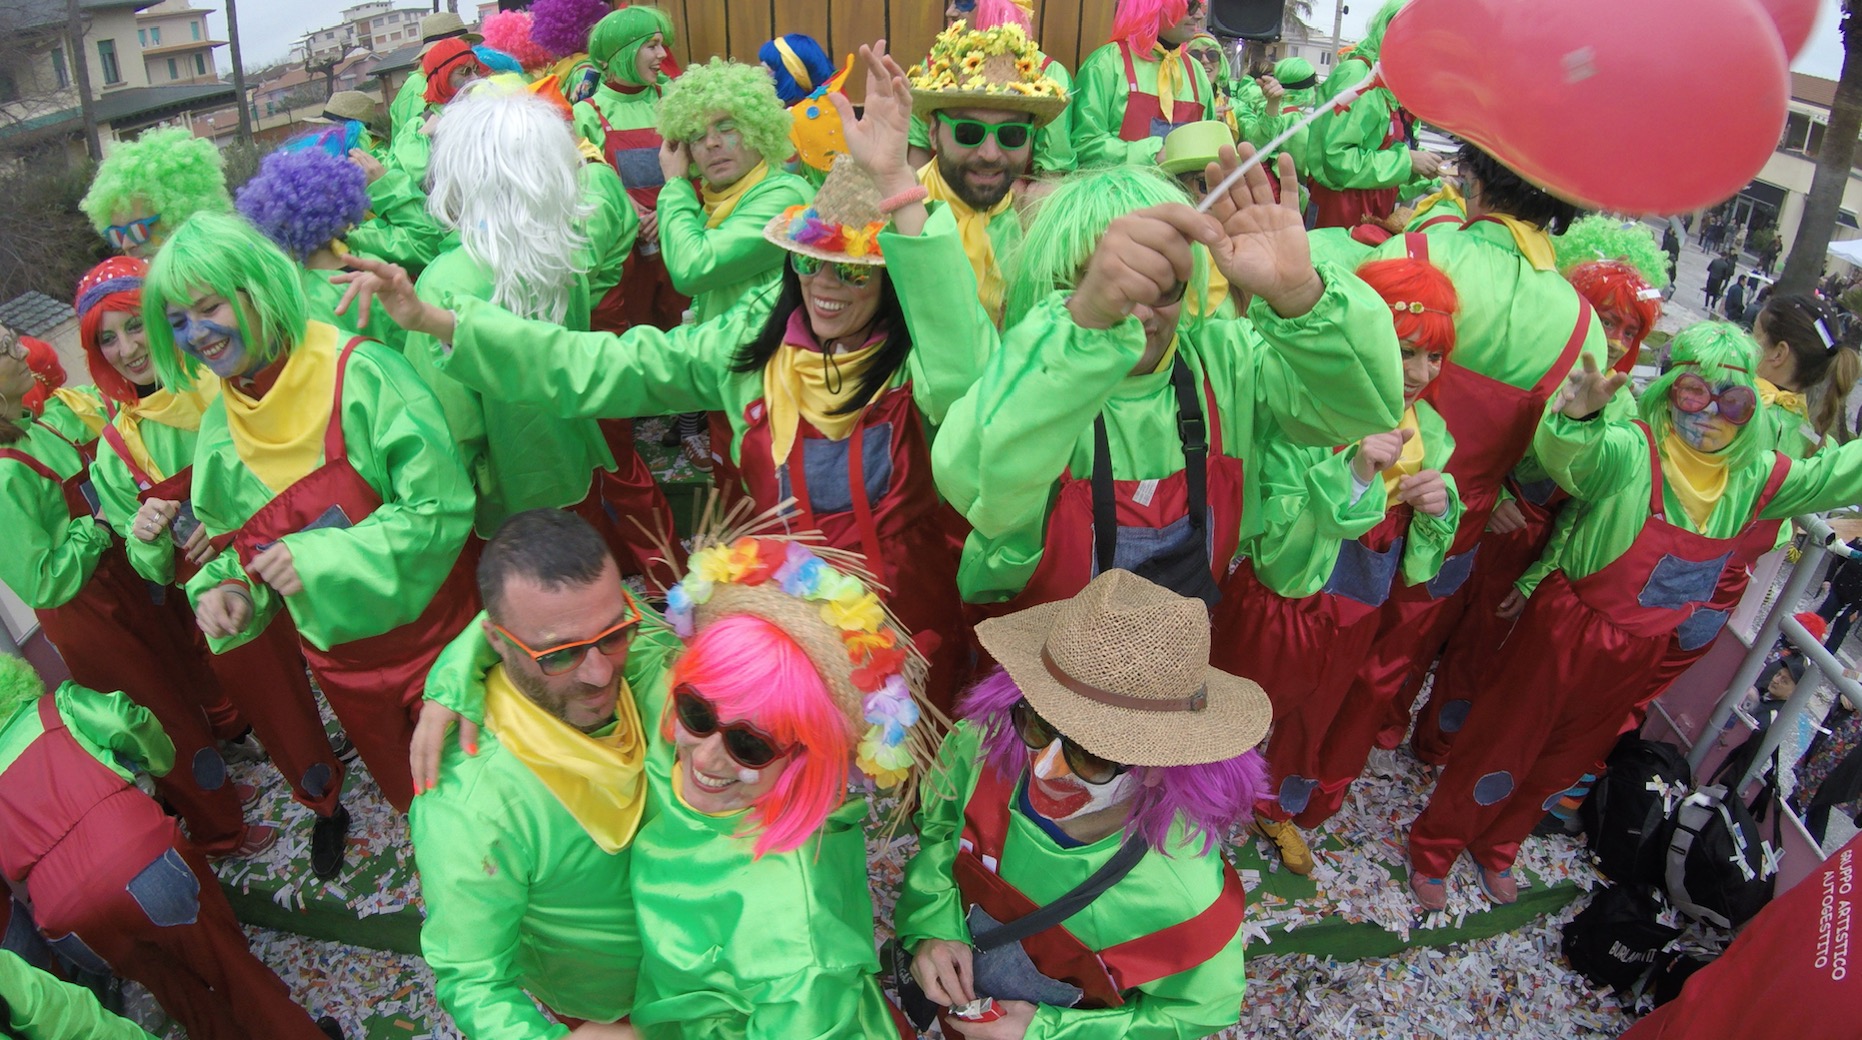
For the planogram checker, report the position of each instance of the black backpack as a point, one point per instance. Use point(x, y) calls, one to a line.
point(1626, 816)
point(1720, 869)
point(1617, 940)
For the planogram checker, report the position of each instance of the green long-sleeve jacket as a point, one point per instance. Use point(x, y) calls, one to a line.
point(644, 371)
point(113, 729)
point(1324, 378)
point(521, 902)
point(1098, 106)
point(412, 149)
point(718, 266)
point(48, 555)
point(379, 574)
point(1310, 505)
point(36, 1006)
point(321, 297)
point(1053, 143)
point(610, 229)
point(399, 229)
point(1160, 891)
point(409, 104)
point(1606, 464)
point(1346, 149)
point(520, 456)
point(172, 450)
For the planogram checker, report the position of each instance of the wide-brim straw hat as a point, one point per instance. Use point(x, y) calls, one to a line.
point(1194, 146)
point(1122, 669)
point(997, 69)
point(1043, 110)
point(841, 225)
point(347, 104)
point(444, 25)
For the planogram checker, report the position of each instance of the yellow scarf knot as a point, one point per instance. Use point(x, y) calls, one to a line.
point(280, 436)
point(1790, 400)
point(174, 409)
point(802, 381)
point(973, 228)
point(1173, 80)
point(1697, 478)
point(601, 781)
point(719, 204)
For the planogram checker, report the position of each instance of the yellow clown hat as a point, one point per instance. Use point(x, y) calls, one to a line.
point(998, 68)
point(816, 131)
point(1193, 146)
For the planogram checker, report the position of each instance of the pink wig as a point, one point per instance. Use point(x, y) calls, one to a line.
point(750, 669)
point(1212, 798)
point(509, 31)
point(1137, 22)
point(991, 13)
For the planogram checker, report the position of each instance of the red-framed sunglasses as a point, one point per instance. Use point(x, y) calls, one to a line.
point(1692, 394)
point(567, 657)
point(748, 746)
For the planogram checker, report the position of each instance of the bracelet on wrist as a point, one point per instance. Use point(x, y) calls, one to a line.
point(894, 203)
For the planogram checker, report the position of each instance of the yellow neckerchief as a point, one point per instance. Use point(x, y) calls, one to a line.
point(1173, 79)
point(280, 436)
point(1209, 301)
point(1789, 400)
point(1697, 478)
point(973, 226)
point(180, 410)
point(1449, 193)
point(1409, 463)
point(718, 204)
point(87, 407)
point(1534, 244)
point(1170, 355)
point(600, 780)
point(795, 386)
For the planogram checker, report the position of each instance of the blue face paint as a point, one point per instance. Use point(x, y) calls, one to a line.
point(221, 348)
point(1704, 430)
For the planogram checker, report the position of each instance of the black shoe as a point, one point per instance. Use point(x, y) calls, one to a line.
point(327, 844)
point(331, 1027)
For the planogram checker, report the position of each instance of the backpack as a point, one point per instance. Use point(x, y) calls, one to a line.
point(1618, 939)
point(1626, 816)
point(1719, 868)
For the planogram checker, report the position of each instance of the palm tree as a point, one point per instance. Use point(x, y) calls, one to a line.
point(1805, 264)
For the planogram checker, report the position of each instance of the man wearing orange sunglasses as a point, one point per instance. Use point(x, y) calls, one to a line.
point(523, 854)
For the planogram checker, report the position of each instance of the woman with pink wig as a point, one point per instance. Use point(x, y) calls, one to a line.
point(1134, 90)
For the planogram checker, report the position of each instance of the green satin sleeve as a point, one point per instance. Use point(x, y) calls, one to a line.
point(1431, 536)
point(1550, 558)
point(930, 907)
point(411, 149)
point(1309, 506)
point(115, 729)
point(225, 569)
point(36, 1006)
point(1345, 149)
point(400, 229)
point(611, 228)
point(1590, 458)
point(1827, 480)
point(952, 335)
point(49, 555)
point(1053, 143)
point(117, 501)
point(1098, 109)
point(716, 266)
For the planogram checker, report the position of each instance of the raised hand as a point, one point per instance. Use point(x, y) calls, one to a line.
point(1263, 247)
point(372, 169)
point(1587, 390)
point(675, 160)
point(879, 139)
point(375, 281)
point(1143, 259)
point(1379, 452)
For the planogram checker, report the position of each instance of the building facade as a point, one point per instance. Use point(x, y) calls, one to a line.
point(377, 26)
point(177, 44)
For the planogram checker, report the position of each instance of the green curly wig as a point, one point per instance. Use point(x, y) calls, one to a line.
point(174, 173)
point(19, 685)
point(223, 254)
point(730, 89)
point(1719, 352)
point(617, 38)
point(1599, 237)
point(1066, 228)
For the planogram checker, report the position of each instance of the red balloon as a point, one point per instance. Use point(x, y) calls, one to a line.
point(1637, 106)
point(1794, 19)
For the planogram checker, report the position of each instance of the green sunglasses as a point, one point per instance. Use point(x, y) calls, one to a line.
point(971, 133)
point(855, 275)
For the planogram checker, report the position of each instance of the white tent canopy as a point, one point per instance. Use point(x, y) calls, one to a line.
point(1850, 251)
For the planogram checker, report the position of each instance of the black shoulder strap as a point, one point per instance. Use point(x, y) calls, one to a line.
point(1192, 433)
point(1105, 502)
point(1043, 918)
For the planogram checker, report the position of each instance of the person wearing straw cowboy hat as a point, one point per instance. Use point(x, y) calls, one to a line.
point(984, 96)
point(1096, 770)
point(1053, 142)
point(828, 402)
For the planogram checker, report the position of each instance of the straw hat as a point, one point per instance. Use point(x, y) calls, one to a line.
point(1193, 146)
point(841, 225)
point(347, 104)
point(444, 25)
point(1122, 669)
point(997, 68)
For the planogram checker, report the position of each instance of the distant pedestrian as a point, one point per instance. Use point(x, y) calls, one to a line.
point(1735, 299)
point(1751, 314)
point(1769, 255)
point(1718, 272)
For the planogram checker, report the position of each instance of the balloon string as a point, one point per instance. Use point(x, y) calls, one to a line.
point(1338, 104)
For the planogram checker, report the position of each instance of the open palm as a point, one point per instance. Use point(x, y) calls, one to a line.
point(1263, 249)
point(879, 139)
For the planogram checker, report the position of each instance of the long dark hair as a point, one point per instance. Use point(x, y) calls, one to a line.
point(1793, 318)
point(755, 354)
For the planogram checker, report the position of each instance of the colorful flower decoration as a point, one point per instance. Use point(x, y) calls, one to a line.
point(960, 60)
point(806, 227)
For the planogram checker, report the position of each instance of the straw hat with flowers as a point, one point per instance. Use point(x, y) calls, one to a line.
point(997, 68)
point(1122, 669)
point(841, 225)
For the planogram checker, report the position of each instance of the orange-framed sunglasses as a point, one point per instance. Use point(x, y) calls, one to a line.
point(557, 660)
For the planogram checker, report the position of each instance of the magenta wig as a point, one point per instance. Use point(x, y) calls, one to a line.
point(304, 200)
point(750, 669)
point(991, 13)
point(561, 26)
point(1212, 798)
point(1137, 22)
point(509, 31)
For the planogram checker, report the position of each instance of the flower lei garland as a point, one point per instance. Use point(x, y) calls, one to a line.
point(875, 646)
point(806, 227)
point(957, 58)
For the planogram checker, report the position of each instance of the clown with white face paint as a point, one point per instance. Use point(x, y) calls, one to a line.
point(1670, 502)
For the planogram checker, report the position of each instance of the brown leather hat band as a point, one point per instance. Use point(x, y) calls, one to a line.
point(1194, 702)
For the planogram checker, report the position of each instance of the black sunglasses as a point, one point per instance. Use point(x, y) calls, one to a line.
point(748, 746)
point(1037, 734)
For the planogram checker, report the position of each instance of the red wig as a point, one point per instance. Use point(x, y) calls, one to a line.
point(1422, 301)
point(1137, 22)
point(47, 374)
point(1619, 291)
point(114, 285)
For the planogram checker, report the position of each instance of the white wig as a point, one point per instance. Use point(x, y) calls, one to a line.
point(505, 174)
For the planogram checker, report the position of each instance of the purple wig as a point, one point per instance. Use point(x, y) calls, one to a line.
point(1212, 798)
point(304, 200)
point(561, 26)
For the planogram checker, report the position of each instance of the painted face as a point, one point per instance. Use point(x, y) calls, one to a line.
point(1058, 794)
point(462, 73)
point(1706, 430)
point(1420, 367)
point(124, 344)
point(720, 154)
point(207, 330)
point(713, 781)
point(972, 158)
point(1619, 331)
point(583, 696)
point(957, 11)
point(836, 309)
point(136, 230)
point(649, 57)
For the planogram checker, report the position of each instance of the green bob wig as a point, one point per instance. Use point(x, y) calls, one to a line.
point(1598, 237)
point(618, 37)
point(1719, 352)
point(1068, 224)
point(19, 685)
point(744, 93)
point(222, 254)
point(174, 173)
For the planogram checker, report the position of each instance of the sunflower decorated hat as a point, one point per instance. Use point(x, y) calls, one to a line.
point(998, 68)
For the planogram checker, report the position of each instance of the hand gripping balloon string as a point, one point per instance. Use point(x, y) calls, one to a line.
point(1337, 104)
